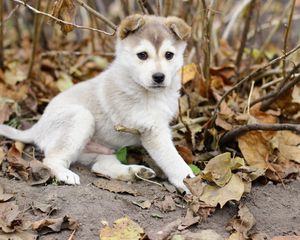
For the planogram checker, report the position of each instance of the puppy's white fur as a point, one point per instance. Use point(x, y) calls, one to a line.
point(123, 94)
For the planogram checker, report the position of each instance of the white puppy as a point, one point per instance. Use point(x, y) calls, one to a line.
point(139, 90)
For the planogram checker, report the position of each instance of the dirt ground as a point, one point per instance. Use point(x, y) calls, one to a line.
point(275, 207)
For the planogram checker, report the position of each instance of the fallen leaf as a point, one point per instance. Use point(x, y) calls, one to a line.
point(195, 185)
point(242, 223)
point(189, 72)
point(15, 73)
point(115, 186)
point(166, 205)
point(185, 153)
point(9, 217)
point(188, 220)
point(123, 228)
point(195, 169)
point(64, 82)
point(255, 149)
point(4, 197)
point(287, 144)
point(214, 195)
point(144, 204)
point(43, 207)
point(165, 232)
point(218, 169)
point(49, 225)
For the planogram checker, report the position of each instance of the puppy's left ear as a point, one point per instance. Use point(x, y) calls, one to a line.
point(179, 28)
point(130, 24)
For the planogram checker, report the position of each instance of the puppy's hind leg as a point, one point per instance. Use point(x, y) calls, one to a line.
point(65, 148)
point(110, 166)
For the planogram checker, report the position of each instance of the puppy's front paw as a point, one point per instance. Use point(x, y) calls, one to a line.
point(142, 171)
point(177, 180)
point(67, 176)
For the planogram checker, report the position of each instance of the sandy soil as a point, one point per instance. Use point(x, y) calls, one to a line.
point(275, 207)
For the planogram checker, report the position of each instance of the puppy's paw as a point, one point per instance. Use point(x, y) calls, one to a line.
point(142, 171)
point(67, 176)
point(177, 180)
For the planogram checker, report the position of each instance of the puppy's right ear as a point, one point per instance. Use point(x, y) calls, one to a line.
point(130, 24)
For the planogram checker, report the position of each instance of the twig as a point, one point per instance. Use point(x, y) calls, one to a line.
point(269, 101)
point(1, 34)
point(233, 134)
point(286, 35)
point(266, 85)
point(168, 7)
point(244, 36)
point(98, 15)
point(249, 98)
point(72, 234)
point(158, 7)
point(191, 122)
point(36, 23)
point(233, 17)
point(61, 21)
point(249, 77)
point(277, 91)
point(147, 180)
point(142, 7)
point(10, 14)
point(121, 128)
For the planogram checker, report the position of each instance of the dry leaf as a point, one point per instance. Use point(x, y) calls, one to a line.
point(218, 169)
point(185, 153)
point(286, 238)
point(214, 195)
point(189, 72)
point(4, 197)
point(188, 220)
point(49, 225)
point(124, 229)
point(115, 186)
point(9, 217)
point(255, 149)
point(65, 10)
point(287, 144)
point(43, 207)
point(242, 223)
point(166, 205)
point(144, 204)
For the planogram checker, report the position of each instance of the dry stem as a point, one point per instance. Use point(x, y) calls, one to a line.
point(97, 15)
point(233, 134)
point(250, 77)
point(59, 20)
point(1, 34)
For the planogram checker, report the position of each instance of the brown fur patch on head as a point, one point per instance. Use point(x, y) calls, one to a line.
point(179, 27)
point(129, 25)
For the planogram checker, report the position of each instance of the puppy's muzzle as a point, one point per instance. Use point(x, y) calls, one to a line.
point(158, 78)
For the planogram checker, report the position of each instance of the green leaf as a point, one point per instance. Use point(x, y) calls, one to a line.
point(195, 169)
point(122, 155)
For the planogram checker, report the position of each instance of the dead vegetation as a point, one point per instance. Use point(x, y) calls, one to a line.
point(239, 109)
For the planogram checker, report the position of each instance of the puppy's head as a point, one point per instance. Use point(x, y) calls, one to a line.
point(151, 49)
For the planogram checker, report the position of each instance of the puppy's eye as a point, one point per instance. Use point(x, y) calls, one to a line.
point(169, 55)
point(142, 55)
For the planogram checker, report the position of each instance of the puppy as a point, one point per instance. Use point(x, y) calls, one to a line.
point(140, 90)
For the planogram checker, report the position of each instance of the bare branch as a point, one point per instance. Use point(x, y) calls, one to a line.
point(1, 34)
point(244, 35)
point(233, 134)
point(248, 78)
point(36, 23)
point(61, 21)
point(286, 35)
point(98, 15)
point(10, 14)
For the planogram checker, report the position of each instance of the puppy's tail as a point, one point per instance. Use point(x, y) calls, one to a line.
point(15, 134)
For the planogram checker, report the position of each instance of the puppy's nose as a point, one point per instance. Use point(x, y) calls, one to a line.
point(158, 77)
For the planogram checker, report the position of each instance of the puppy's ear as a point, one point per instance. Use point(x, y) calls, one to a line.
point(179, 28)
point(130, 24)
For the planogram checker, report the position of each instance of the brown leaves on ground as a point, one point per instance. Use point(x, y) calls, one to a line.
point(33, 171)
point(115, 186)
point(123, 228)
point(49, 225)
